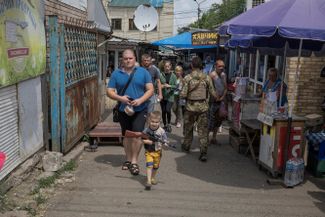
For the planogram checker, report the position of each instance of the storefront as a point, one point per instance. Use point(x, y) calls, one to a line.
point(22, 81)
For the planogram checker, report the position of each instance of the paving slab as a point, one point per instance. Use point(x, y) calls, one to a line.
point(228, 184)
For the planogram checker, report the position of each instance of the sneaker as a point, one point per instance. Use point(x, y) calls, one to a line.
point(169, 128)
point(148, 186)
point(154, 182)
point(178, 125)
point(203, 157)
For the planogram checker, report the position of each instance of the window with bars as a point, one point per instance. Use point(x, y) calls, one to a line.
point(117, 24)
point(257, 2)
point(132, 25)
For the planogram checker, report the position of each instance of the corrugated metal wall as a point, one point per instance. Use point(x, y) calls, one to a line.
point(9, 140)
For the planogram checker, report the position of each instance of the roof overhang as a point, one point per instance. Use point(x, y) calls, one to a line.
point(97, 16)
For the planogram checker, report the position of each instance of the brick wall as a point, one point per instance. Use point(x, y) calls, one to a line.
point(66, 13)
point(311, 87)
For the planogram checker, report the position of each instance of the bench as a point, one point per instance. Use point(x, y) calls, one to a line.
point(104, 130)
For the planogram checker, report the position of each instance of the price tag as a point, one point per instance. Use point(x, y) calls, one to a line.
point(266, 119)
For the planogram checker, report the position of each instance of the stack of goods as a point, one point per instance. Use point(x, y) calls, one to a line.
point(294, 172)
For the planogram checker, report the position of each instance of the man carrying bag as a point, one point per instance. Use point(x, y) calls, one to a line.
point(133, 104)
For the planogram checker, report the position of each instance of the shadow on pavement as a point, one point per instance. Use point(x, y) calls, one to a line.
point(117, 161)
point(224, 166)
point(318, 195)
point(111, 159)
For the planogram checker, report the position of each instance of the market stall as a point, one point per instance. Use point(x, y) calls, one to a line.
point(289, 28)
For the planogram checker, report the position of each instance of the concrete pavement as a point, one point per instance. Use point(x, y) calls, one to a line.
point(229, 184)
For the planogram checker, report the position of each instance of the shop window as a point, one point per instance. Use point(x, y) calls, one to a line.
point(117, 24)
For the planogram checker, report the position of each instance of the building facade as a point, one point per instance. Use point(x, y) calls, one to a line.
point(121, 15)
point(253, 3)
point(22, 81)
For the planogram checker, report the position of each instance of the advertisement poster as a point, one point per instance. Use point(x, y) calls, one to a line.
point(22, 40)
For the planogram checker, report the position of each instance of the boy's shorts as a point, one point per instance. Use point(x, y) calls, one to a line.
point(153, 159)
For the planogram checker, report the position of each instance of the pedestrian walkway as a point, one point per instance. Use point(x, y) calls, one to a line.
point(229, 184)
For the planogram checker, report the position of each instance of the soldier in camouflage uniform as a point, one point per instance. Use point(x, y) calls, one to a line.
point(196, 90)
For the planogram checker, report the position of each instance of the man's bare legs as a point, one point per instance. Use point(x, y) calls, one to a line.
point(132, 148)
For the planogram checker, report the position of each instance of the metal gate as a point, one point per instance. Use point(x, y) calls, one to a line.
point(9, 140)
point(74, 84)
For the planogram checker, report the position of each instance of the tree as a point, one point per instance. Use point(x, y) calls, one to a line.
point(219, 13)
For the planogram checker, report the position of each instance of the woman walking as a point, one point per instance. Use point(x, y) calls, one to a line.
point(177, 107)
point(168, 85)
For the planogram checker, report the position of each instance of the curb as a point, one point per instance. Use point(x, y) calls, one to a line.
point(75, 153)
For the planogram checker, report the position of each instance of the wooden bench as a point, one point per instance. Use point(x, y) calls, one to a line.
point(104, 130)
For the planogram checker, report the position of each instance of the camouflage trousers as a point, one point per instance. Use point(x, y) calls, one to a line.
point(190, 118)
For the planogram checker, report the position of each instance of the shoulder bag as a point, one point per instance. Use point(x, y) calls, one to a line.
point(117, 106)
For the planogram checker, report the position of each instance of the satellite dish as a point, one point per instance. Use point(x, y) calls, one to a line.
point(145, 18)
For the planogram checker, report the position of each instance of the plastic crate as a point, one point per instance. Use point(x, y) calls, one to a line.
point(315, 165)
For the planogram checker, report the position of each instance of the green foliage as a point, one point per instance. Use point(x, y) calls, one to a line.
point(70, 166)
point(31, 211)
point(219, 13)
point(40, 199)
point(48, 181)
point(5, 203)
point(85, 138)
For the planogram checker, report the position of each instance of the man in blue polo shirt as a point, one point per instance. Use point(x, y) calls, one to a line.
point(136, 95)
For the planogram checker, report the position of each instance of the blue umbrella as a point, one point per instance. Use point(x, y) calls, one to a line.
point(181, 41)
point(297, 19)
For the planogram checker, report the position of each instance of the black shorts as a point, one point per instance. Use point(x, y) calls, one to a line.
point(134, 123)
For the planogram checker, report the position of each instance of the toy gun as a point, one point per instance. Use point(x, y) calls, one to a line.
point(152, 137)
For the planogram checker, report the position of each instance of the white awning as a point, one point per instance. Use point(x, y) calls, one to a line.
point(97, 16)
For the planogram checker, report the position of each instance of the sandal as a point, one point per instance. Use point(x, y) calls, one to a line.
point(154, 182)
point(134, 169)
point(126, 165)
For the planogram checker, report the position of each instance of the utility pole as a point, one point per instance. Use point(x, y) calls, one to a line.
point(198, 12)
